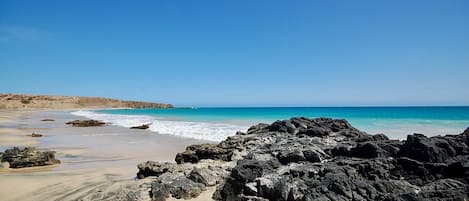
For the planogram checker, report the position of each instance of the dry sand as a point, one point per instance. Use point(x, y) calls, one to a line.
point(92, 158)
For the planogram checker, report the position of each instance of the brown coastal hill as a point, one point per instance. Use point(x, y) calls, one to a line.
point(22, 101)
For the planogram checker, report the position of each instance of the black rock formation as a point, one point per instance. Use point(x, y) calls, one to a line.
point(28, 157)
point(143, 126)
point(85, 123)
point(318, 159)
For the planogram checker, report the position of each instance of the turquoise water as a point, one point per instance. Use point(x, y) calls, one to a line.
point(396, 122)
point(276, 113)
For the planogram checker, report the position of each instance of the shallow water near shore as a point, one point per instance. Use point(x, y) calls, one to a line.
point(90, 157)
point(218, 123)
point(90, 146)
point(99, 156)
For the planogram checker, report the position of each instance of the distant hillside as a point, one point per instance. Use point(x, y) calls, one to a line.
point(21, 101)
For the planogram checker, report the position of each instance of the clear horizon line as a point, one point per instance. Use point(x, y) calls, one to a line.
point(351, 106)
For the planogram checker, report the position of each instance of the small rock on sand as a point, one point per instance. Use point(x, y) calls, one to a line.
point(85, 123)
point(28, 157)
point(143, 126)
point(36, 135)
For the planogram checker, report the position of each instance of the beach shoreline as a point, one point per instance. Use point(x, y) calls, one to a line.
point(94, 155)
point(98, 162)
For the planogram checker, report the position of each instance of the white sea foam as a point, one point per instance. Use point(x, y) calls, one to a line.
point(198, 130)
point(400, 128)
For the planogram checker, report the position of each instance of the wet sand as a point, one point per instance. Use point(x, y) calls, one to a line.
point(90, 157)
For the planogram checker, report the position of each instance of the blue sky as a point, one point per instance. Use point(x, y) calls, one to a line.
point(239, 53)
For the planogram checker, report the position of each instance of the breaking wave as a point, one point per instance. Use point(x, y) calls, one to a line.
point(198, 130)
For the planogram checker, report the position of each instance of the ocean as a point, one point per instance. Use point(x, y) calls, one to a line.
point(215, 124)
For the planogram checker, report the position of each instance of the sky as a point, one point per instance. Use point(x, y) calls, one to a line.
point(240, 52)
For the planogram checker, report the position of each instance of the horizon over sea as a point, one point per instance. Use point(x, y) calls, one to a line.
point(217, 123)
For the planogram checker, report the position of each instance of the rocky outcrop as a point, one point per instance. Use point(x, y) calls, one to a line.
point(28, 157)
point(152, 168)
point(347, 165)
point(182, 180)
point(317, 159)
point(436, 149)
point(195, 153)
point(85, 123)
point(36, 135)
point(143, 126)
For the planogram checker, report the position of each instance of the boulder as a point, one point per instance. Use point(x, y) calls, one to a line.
point(177, 188)
point(312, 156)
point(194, 153)
point(143, 126)
point(458, 167)
point(152, 168)
point(257, 128)
point(85, 123)
point(368, 150)
point(314, 132)
point(247, 170)
point(284, 126)
point(159, 191)
point(180, 188)
point(288, 156)
point(209, 176)
point(422, 148)
point(341, 150)
point(36, 135)
point(28, 157)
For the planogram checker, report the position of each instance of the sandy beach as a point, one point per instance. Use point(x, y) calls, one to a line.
point(234, 100)
point(92, 158)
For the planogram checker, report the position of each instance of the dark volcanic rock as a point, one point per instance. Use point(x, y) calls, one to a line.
point(317, 159)
point(444, 189)
point(180, 180)
point(435, 149)
point(289, 156)
point(180, 188)
point(368, 150)
point(466, 132)
point(152, 168)
point(209, 176)
point(315, 132)
point(48, 120)
point(85, 123)
point(458, 167)
point(282, 126)
point(257, 128)
point(28, 157)
point(36, 135)
point(194, 153)
point(143, 126)
point(247, 170)
point(354, 165)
